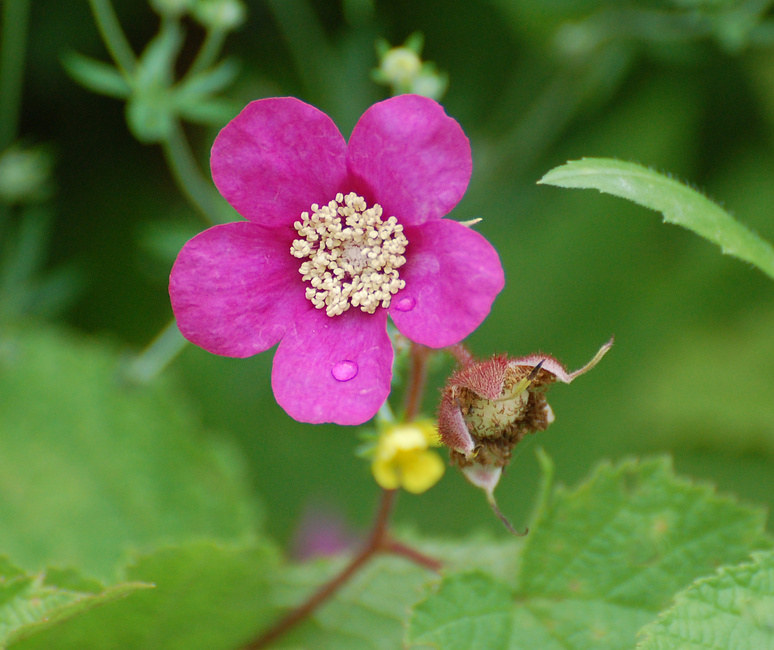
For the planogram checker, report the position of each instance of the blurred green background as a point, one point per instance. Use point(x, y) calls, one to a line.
point(684, 86)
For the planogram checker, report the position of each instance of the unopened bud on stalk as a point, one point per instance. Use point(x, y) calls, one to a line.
point(224, 15)
point(402, 69)
point(487, 407)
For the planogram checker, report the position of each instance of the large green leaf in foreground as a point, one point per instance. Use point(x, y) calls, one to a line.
point(370, 612)
point(207, 596)
point(32, 603)
point(732, 609)
point(679, 204)
point(91, 467)
point(599, 563)
point(211, 596)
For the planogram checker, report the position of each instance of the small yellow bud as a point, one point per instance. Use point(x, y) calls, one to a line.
point(403, 458)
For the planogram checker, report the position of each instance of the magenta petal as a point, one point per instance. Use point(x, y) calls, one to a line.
point(316, 350)
point(406, 154)
point(234, 288)
point(452, 277)
point(276, 158)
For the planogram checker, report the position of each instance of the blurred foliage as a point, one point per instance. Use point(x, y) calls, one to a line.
point(109, 466)
point(31, 603)
point(228, 603)
point(683, 86)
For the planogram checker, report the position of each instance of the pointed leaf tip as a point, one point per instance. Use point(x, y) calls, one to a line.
point(680, 204)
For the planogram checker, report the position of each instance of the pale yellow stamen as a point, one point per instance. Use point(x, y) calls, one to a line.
point(352, 256)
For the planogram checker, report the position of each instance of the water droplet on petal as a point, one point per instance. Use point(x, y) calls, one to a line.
point(344, 370)
point(405, 304)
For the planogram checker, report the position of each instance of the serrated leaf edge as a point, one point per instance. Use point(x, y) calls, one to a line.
point(80, 605)
point(645, 633)
point(607, 470)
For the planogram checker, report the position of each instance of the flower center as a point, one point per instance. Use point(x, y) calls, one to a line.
point(351, 257)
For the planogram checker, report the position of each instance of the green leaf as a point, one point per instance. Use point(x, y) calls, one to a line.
point(192, 97)
point(627, 533)
point(213, 596)
point(156, 65)
point(97, 76)
point(209, 81)
point(207, 596)
point(367, 614)
point(150, 112)
point(93, 467)
point(214, 112)
point(469, 610)
point(30, 604)
point(679, 204)
point(599, 563)
point(27, 289)
point(370, 612)
point(732, 609)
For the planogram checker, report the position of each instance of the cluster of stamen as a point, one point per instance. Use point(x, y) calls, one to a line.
point(351, 256)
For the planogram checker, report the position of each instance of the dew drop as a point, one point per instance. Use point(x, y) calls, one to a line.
point(344, 370)
point(405, 304)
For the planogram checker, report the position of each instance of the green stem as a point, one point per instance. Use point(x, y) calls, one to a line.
point(209, 52)
point(552, 111)
point(13, 44)
point(188, 176)
point(308, 45)
point(545, 491)
point(113, 36)
point(538, 127)
point(157, 356)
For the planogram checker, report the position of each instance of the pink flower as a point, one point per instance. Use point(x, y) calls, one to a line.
point(337, 237)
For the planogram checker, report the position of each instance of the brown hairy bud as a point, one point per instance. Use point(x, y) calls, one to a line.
point(487, 407)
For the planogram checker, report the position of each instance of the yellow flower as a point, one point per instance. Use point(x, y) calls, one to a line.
point(403, 458)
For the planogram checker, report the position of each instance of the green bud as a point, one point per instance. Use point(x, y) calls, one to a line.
point(399, 66)
point(429, 83)
point(25, 174)
point(224, 15)
point(402, 69)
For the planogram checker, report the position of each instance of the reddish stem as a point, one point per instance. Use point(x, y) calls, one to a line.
point(417, 379)
point(399, 548)
point(328, 590)
point(379, 540)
